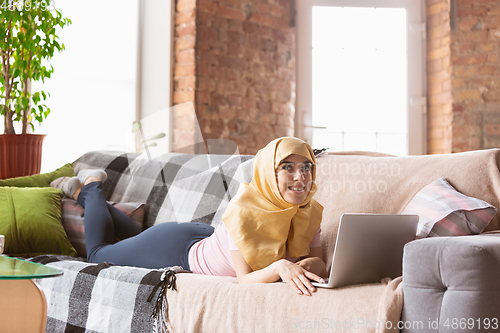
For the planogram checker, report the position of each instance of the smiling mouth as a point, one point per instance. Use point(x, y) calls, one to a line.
point(296, 189)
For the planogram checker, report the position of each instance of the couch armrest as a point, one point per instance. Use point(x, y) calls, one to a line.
point(452, 284)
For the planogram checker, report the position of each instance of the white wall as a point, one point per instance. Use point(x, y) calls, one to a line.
point(154, 76)
point(93, 88)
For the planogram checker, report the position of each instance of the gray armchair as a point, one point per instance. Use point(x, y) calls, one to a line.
point(452, 284)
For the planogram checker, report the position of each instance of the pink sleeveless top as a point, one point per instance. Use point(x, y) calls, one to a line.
point(212, 256)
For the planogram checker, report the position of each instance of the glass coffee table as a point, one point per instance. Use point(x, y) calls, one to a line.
point(17, 269)
point(23, 307)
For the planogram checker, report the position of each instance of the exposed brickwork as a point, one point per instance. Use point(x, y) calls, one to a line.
point(468, 66)
point(439, 83)
point(236, 60)
point(475, 50)
point(184, 122)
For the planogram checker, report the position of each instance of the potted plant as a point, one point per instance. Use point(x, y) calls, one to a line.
point(28, 41)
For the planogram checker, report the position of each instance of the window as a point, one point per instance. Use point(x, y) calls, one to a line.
point(360, 75)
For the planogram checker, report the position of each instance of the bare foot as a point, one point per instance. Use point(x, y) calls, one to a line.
point(77, 192)
point(87, 181)
point(91, 179)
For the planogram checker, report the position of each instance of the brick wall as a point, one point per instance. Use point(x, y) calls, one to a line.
point(236, 60)
point(439, 116)
point(470, 68)
point(184, 122)
point(475, 46)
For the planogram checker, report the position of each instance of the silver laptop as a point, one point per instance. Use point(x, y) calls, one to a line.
point(369, 247)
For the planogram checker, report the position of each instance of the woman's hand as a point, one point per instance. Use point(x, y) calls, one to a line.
point(296, 276)
point(314, 265)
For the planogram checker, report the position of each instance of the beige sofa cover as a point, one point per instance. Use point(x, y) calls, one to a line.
point(348, 183)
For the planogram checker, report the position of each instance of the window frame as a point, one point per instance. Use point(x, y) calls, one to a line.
point(416, 101)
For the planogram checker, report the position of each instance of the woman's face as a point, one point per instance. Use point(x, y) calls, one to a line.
point(294, 177)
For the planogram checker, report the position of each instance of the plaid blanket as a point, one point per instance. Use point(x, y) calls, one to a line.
point(174, 187)
point(100, 298)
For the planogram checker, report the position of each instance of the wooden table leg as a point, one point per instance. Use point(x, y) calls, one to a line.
point(23, 307)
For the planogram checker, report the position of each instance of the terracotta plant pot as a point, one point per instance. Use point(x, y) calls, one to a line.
point(20, 154)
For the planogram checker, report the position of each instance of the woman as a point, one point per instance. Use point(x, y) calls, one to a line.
point(271, 223)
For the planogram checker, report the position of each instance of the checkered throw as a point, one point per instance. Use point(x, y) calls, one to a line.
point(174, 187)
point(98, 298)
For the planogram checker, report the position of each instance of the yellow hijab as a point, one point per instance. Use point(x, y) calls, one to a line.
point(262, 224)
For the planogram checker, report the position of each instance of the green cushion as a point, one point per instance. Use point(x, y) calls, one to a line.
point(31, 222)
point(41, 180)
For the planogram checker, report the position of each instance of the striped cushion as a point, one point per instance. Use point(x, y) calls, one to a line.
point(444, 211)
point(72, 220)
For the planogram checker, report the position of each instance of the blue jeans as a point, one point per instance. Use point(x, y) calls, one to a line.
point(163, 245)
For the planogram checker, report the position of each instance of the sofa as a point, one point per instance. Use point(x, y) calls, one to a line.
point(445, 279)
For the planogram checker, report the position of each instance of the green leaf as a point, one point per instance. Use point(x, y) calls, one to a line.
point(156, 137)
point(36, 97)
point(136, 126)
point(25, 102)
